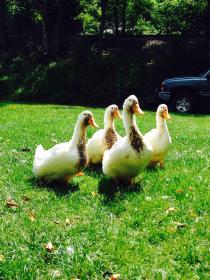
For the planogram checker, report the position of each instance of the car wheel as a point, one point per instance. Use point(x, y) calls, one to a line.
point(183, 103)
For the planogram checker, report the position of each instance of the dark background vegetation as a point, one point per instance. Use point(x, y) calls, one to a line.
point(92, 52)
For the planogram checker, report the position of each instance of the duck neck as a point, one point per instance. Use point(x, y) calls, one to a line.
point(133, 133)
point(108, 122)
point(79, 135)
point(129, 121)
point(161, 123)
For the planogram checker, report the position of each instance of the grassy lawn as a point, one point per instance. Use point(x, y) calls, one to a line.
point(156, 230)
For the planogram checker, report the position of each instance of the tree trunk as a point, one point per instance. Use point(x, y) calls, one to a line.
point(2, 24)
point(116, 16)
point(124, 16)
point(103, 16)
point(57, 32)
point(46, 25)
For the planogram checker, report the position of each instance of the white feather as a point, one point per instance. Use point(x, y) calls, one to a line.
point(96, 145)
point(122, 161)
point(159, 137)
point(61, 161)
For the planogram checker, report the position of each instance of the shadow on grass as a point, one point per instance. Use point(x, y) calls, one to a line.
point(59, 188)
point(109, 189)
point(154, 168)
point(94, 169)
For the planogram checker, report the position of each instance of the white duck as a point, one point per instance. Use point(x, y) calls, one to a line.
point(103, 139)
point(130, 154)
point(64, 160)
point(159, 137)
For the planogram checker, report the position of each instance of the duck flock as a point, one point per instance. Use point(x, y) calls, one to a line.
point(122, 158)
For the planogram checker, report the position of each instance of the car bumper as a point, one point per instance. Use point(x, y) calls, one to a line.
point(164, 95)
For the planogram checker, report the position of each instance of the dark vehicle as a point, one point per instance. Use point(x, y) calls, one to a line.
point(183, 93)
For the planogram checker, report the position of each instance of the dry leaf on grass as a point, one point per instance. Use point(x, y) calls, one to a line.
point(179, 191)
point(56, 273)
point(171, 229)
point(32, 216)
point(27, 150)
point(57, 222)
point(2, 258)
point(54, 140)
point(179, 225)
point(67, 222)
point(49, 247)
point(114, 277)
point(11, 203)
point(26, 198)
point(94, 194)
point(70, 250)
point(170, 210)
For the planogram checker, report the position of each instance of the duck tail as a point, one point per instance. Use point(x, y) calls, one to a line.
point(37, 159)
point(39, 152)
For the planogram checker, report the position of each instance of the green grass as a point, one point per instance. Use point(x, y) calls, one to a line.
point(157, 230)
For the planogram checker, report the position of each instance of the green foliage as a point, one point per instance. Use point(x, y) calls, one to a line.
point(178, 16)
point(138, 17)
point(87, 77)
point(90, 16)
point(157, 229)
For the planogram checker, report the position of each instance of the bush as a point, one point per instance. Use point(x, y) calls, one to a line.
point(90, 75)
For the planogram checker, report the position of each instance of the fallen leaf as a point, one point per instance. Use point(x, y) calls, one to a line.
point(170, 210)
point(114, 277)
point(54, 141)
point(165, 197)
point(49, 247)
point(11, 203)
point(2, 258)
point(179, 191)
point(26, 198)
point(171, 229)
point(56, 273)
point(94, 194)
point(57, 222)
point(198, 219)
point(27, 150)
point(67, 222)
point(32, 216)
point(193, 215)
point(179, 225)
point(70, 250)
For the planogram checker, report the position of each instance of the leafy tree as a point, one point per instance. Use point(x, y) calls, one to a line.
point(178, 16)
point(90, 14)
point(2, 24)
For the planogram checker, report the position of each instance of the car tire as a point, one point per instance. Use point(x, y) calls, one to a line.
point(183, 103)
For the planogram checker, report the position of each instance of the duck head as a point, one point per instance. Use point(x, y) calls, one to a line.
point(86, 119)
point(162, 112)
point(112, 112)
point(131, 106)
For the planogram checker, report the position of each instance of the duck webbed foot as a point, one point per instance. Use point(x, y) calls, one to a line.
point(161, 164)
point(80, 174)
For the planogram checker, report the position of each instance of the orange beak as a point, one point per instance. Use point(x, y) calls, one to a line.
point(92, 123)
point(137, 110)
point(117, 115)
point(166, 115)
